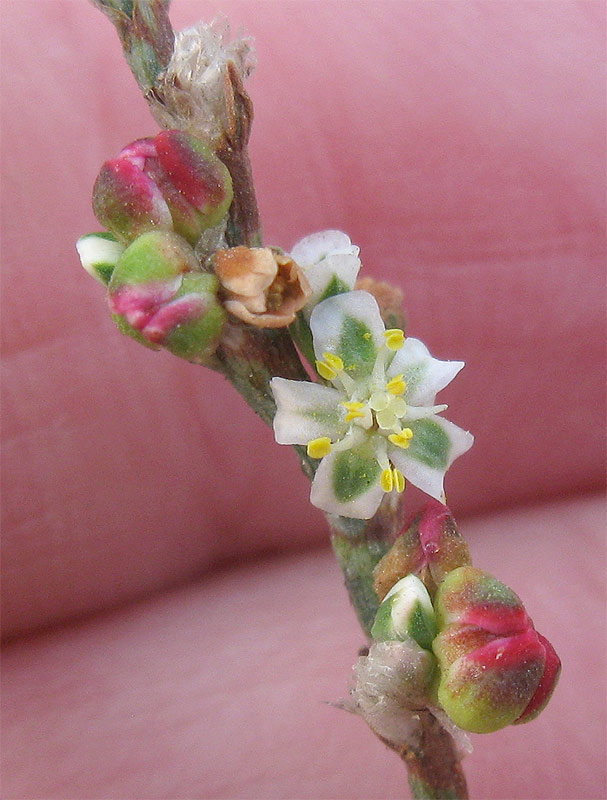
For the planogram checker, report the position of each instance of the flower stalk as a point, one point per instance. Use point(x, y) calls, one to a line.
point(250, 357)
point(185, 269)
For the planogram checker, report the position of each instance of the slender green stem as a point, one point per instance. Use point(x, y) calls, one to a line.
point(249, 358)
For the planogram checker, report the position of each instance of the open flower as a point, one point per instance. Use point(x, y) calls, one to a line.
point(375, 424)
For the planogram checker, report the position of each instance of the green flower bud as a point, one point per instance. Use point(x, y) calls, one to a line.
point(159, 296)
point(406, 613)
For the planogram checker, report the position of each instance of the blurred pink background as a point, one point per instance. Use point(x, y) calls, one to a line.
point(461, 146)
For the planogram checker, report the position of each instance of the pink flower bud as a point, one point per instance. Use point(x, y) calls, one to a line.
point(159, 296)
point(494, 668)
point(430, 546)
point(171, 182)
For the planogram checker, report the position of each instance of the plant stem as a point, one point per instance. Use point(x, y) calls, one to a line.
point(434, 767)
point(249, 358)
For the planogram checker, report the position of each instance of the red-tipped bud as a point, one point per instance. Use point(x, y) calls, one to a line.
point(430, 546)
point(159, 296)
point(171, 182)
point(494, 668)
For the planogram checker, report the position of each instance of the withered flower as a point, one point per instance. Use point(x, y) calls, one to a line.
point(261, 285)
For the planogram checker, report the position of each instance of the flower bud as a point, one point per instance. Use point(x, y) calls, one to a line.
point(494, 668)
point(171, 182)
point(159, 296)
point(261, 286)
point(330, 262)
point(99, 253)
point(406, 613)
point(430, 546)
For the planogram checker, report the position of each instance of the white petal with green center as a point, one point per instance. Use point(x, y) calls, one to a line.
point(306, 411)
point(99, 253)
point(330, 262)
point(350, 326)
point(335, 274)
point(423, 374)
point(347, 483)
point(435, 445)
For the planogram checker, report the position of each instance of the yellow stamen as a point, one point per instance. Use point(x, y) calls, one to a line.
point(333, 361)
point(325, 371)
point(355, 409)
point(387, 480)
point(402, 439)
point(397, 385)
point(399, 481)
point(395, 338)
point(319, 448)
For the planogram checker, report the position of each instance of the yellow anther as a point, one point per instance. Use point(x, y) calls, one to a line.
point(399, 480)
point(319, 448)
point(402, 439)
point(355, 409)
point(397, 385)
point(325, 371)
point(387, 480)
point(367, 335)
point(333, 361)
point(395, 338)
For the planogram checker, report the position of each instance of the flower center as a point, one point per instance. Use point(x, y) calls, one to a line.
point(377, 406)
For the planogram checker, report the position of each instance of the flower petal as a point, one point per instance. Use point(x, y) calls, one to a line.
point(317, 246)
point(350, 326)
point(435, 445)
point(335, 274)
point(306, 411)
point(330, 263)
point(423, 374)
point(347, 483)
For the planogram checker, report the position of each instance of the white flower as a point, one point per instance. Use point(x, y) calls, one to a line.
point(330, 262)
point(376, 423)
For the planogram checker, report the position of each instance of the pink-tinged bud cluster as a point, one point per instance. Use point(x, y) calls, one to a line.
point(430, 546)
point(159, 296)
point(494, 668)
point(171, 182)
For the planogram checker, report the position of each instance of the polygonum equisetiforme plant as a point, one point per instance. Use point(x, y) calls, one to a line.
point(451, 649)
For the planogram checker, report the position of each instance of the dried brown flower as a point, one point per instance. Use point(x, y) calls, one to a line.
point(261, 285)
point(389, 299)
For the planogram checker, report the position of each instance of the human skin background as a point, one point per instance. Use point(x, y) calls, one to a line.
point(460, 144)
